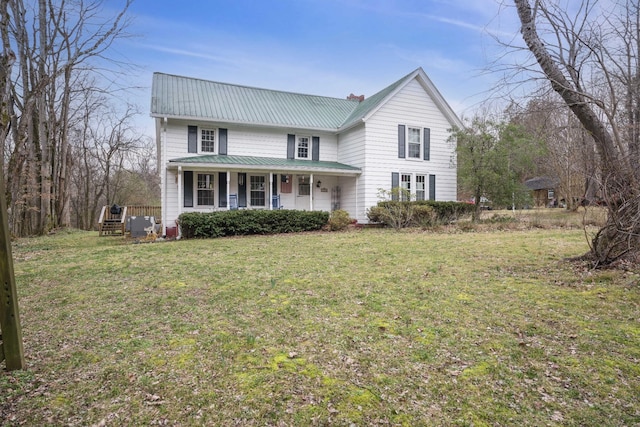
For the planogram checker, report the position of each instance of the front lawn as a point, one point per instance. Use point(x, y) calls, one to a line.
point(367, 327)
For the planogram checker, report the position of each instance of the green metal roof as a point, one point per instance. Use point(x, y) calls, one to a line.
point(176, 96)
point(369, 104)
point(249, 162)
point(190, 98)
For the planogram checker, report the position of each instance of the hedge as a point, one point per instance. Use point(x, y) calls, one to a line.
point(444, 212)
point(246, 222)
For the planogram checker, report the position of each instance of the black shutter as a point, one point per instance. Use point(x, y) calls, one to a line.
point(315, 148)
point(291, 146)
point(192, 139)
point(432, 187)
point(242, 190)
point(274, 185)
point(187, 178)
point(222, 142)
point(427, 143)
point(395, 183)
point(401, 142)
point(222, 189)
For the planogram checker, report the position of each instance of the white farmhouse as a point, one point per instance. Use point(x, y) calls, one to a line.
point(225, 146)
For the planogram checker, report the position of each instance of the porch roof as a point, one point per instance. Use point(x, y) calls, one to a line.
point(264, 163)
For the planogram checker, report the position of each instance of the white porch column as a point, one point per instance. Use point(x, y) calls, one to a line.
point(228, 189)
point(180, 200)
point(311, 185)
point(270, 201)
point(357, 180)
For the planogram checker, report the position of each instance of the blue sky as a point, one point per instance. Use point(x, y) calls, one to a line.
point(323, 47)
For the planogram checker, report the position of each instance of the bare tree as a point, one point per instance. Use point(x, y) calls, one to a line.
point(7, 60)
point(55, 44)
point(592, 63)
point(86, 190)
point(569, 155)
point(106, 147)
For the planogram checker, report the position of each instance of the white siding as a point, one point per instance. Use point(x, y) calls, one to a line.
point(170, 208)
point(412, 107)
point(241, 141)
point(248, 141)
point(372, 146)
point(351, 151)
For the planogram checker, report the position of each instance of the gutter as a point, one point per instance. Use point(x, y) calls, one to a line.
point(241, 167)
point(290, 126)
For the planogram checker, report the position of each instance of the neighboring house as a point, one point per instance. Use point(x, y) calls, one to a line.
point(542, 190)
point(224, 146)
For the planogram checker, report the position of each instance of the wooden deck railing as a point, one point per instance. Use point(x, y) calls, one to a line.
point(143, 210)
point(110, 224)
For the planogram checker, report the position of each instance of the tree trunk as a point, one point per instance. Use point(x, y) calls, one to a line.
point(620, 235)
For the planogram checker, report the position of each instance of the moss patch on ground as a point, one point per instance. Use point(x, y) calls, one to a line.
point(365, 327)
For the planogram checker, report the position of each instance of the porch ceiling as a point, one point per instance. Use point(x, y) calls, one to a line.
point(267, 164)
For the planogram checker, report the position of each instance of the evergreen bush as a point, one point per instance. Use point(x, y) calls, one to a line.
point(247, 222)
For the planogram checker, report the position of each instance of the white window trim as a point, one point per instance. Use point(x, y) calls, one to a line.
point(413, 184)
point(309, 144)
point(406, 138)
point(195, 190)
point(215, 140)
point(411, 181)
point(425, 190)
point(299, 183)
point(265, 190)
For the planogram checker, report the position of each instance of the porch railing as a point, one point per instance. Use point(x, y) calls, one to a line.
point(111, 224)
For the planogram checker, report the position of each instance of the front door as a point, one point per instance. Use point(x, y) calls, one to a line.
point(242, 190)
point(303, 192)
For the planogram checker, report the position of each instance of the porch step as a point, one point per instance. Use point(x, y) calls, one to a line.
point(112, 227)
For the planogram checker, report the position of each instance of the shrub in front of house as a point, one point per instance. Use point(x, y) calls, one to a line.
point(423, 213)
point(339, 220)
point(424, 216)
point(447, 212)
point(393, 214)
point(247, 222)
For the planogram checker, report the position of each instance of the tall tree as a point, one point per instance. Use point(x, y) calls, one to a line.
point(590, 58)
point(107, 152)
point(55, 43)
point(493, 159)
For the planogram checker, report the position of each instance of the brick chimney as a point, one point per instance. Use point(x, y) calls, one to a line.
point(353, 97)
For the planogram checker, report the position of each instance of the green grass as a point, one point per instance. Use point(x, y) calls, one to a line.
point(365, 327)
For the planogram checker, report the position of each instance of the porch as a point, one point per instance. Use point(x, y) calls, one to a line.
point(214, 183)
point(115, 220)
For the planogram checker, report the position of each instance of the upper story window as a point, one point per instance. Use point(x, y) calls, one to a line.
point(302, 147)
point(207, 140)
point(414, 143)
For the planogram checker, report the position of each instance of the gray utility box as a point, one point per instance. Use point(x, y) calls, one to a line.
point(141, 226)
